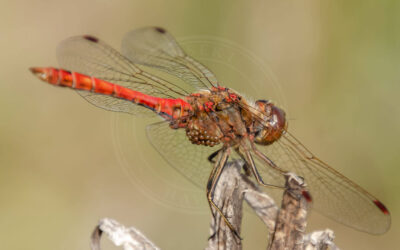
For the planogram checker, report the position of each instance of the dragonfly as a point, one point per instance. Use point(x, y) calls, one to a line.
point(203, 121)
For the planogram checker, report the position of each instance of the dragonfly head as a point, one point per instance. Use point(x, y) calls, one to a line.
point(273, 124)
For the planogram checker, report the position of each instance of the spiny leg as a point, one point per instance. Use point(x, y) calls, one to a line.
point(249, 161)
point(212, 181)
point(267, 160)
point(212, 156)
point(272, 164)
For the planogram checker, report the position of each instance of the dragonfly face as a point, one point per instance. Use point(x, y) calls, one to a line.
point(275, 123)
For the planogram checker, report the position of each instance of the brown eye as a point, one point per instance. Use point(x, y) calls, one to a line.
point(275, 124)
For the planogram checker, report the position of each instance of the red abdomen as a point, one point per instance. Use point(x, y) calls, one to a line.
point(172, 108)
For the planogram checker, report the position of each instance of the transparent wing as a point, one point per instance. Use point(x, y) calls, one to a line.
point(155, 47)
point(90, 56)
point(333, 194)
point(188, 159)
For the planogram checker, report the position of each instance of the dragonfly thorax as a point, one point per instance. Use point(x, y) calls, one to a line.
point(217, 117)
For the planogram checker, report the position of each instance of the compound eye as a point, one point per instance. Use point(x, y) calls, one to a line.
point(278, 117)
point(275, 123)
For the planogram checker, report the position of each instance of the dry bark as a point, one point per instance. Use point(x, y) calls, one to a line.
point(128, 238)
point(286, 225)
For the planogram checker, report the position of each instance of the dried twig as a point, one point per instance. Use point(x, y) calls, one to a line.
point(128, 238)
point(286, 225)
point(292, 218)
point(320, 240)
point(230, 191)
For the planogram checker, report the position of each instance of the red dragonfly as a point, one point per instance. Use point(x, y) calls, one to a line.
point(153, 75)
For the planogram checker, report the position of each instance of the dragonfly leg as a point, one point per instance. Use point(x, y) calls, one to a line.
point(212, 182)
point(272, 164)
point(268, 161)
point(212, 156)
point(249, 160)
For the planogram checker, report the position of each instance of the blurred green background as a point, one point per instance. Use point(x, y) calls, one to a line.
point(337, 65)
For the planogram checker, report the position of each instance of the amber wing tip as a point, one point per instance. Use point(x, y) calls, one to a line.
point(381, 207)
point(307, 196)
